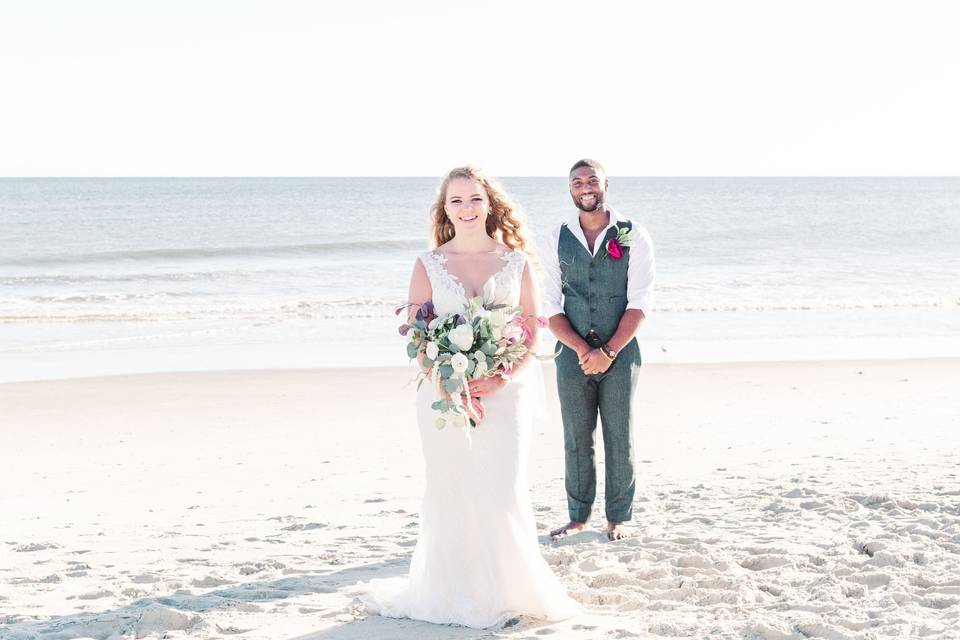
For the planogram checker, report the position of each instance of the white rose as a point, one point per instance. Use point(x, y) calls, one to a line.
point(459, 362)
point(462, 336)
point(432, 350)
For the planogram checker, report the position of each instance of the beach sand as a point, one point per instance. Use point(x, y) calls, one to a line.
point(774, 501)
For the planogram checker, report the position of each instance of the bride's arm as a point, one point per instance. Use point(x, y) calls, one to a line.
point(530, 308)
point(420, 292)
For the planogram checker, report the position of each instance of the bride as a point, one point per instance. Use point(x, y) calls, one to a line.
point(477, 562)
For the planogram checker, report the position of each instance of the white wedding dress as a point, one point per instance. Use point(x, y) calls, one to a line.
point(477, 561)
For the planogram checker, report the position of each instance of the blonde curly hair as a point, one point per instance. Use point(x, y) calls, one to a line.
point(505, 221)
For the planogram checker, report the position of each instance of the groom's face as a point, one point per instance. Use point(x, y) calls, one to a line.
point(588, 187)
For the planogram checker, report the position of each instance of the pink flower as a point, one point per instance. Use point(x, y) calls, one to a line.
point(614, 249)
point(527, 333)
point(542, 322)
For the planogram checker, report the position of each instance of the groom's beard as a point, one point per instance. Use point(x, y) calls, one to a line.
point(596, 206)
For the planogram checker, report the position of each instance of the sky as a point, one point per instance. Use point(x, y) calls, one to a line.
point(368, 88)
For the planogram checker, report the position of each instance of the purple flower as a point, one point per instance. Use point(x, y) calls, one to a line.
point(426, 312)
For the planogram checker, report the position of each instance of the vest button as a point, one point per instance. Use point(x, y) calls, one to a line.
point(594, 309)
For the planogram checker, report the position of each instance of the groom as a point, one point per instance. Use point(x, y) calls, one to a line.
point(599, 282)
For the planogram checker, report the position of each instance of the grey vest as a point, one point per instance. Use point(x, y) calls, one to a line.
point(594, 287)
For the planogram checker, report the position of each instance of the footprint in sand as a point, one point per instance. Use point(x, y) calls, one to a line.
point(764, 562)
point(304, 527)
point(51, 579)
point(145, 578)
point(36, 546)
point(210, 582)
point(871, 580)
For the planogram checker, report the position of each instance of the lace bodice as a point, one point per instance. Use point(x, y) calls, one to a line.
point(449, 296)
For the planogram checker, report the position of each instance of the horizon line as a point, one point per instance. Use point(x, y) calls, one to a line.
point(298, 177)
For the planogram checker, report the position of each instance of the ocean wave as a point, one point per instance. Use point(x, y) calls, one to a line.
point(96, 278)
point(198, 253)
point(343, 308)
point(95, 298)
point(856, 305)
point(96, 308)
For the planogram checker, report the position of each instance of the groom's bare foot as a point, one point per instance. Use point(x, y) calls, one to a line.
point(567, 529)
point(615, 531)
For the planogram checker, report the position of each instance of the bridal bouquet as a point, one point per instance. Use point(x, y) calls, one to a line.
point(481, 341)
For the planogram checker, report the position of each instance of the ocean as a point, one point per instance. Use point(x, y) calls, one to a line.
point(119, 275)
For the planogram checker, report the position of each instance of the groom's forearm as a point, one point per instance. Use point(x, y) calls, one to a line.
point(629, 323)
point(560, 326)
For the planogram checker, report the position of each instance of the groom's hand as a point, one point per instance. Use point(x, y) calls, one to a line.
point(595, 362)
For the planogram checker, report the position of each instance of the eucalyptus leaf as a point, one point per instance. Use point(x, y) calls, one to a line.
point(452, 385)
point(411, 350)
point(446, 370)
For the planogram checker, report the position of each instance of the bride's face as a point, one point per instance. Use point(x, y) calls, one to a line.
point(467, 205)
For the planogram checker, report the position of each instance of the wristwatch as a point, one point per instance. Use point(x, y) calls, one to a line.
point(607, 351)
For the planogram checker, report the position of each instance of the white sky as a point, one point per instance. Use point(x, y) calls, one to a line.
point(673, 87)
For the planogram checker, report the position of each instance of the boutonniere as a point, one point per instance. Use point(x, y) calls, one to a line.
point(615, 245)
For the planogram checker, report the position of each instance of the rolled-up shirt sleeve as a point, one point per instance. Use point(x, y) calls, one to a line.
point(641, 272)
point(552, 285)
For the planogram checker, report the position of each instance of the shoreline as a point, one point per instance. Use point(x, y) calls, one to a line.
point(548, 368)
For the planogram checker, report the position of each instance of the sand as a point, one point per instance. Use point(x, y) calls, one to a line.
point(775, 501)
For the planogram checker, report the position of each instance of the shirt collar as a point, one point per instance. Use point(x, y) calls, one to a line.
point(573, 221)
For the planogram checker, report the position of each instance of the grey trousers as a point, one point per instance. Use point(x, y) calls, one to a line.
point(582, 399)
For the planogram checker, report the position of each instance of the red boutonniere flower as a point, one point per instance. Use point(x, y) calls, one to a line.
point(616, 244)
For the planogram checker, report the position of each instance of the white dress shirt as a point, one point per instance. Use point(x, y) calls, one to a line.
point(640, 270)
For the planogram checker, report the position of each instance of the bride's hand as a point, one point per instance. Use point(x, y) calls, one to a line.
point(479, 411)
point(486, 386)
